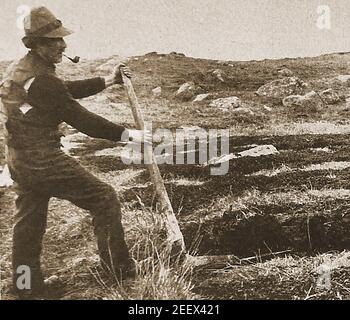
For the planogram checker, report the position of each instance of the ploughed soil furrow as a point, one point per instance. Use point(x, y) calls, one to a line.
point(238, 168)
point(311, 227)
point(291, 143)
point(291, 159)
point(270, 282)
point(188, 199)
point(294, 142)
point(307, 227)
point(295, 152)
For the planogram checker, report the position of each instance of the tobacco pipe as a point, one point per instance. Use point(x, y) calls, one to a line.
point(76, 59)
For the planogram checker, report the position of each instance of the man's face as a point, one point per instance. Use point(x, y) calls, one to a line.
point(52, 50)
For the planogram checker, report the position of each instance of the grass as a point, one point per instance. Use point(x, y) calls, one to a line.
point(330, 166)
point(254, 198)
point(158, 277)
point(323, 276)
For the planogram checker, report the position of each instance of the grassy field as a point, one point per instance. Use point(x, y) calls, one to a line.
point(284, 218)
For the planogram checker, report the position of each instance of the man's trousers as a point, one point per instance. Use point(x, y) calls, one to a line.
point(40, 175)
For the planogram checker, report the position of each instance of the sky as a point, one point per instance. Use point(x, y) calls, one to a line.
point(214, 29)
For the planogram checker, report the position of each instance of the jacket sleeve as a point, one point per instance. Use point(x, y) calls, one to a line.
point(84, 88)
point(50, 94)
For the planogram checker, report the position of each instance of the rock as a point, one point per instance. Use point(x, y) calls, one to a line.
point(293, 100)
point(201, 97)
point(174, 53)
point(151, 54)
point(282, 88)
point(110, 64)
point(219, 74)
point(226, 103)
point(329, 96)
point(285, 72)
point(311, 99)
point(243, 110)
point(258, 151)
point(314, 99)
point(157, 91)
point(5, 178)
point(269, 109)
point(184, 88)
point(186, 91)
point(344, 79)
point(222, 62)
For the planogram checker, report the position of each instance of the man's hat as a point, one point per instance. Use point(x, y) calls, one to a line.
point(41, 23)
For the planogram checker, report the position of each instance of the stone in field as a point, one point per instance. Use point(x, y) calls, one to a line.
point(282, 88)
point(157, 91)
point(226, 103)
point(201, 97)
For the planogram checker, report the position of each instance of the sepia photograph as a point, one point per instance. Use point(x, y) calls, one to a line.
point(189, 150)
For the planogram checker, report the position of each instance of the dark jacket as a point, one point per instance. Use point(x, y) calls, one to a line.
point(34, 113)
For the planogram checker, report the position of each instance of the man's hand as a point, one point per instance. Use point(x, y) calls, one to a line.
point(116, 76)
point(140, 136)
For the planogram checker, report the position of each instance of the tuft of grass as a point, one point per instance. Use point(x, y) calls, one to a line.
point(159, 275)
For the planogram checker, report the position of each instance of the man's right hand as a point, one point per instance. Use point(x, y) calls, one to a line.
point(119, 70)
point(116, 76)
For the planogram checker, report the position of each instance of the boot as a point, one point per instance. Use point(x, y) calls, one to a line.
point(50, 289)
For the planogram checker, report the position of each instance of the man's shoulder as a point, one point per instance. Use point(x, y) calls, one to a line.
point(18, 69)
point(49, 84)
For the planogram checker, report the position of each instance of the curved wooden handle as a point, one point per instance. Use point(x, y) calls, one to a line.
point(173, 229)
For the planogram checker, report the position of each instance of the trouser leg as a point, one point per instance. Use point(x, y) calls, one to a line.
point(28, 232)
point(76, 184)
point(101, 200)
point(109, 232)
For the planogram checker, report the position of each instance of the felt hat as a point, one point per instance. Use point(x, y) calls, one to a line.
point(41, 23)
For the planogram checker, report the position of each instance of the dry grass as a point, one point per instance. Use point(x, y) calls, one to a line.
point(158, 276)
point(330, 166)
point(291, 277)
point(252, 199)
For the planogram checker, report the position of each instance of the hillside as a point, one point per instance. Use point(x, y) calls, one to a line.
point(283, 216)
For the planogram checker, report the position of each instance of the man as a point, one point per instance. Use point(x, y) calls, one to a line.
point(35, 102)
